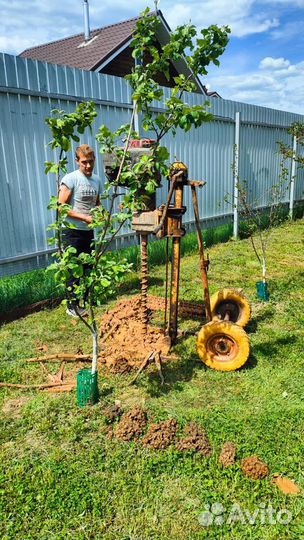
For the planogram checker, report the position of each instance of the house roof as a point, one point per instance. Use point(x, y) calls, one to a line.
point(104, 45)
point(75, 52)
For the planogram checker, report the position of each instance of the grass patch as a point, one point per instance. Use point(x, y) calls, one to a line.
point(63, 478)
point(27, 288)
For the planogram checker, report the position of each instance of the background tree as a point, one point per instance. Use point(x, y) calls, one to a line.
point(258, 221)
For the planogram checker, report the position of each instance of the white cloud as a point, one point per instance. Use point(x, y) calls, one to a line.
point(274, 63)
point(239, 15)
point(268, 86)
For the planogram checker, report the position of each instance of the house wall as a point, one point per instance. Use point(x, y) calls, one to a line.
point(29, 90)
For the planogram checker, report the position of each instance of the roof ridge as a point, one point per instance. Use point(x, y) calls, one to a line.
point(81, 33)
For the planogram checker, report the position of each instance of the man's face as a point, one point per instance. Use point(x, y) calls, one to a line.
point(86, 164)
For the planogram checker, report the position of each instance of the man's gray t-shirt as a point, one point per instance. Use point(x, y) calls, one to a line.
point(85, 191)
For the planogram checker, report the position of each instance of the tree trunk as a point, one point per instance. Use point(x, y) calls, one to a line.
point(264, 269)
point(95, 352)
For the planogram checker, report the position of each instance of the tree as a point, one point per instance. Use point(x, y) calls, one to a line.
point(105, 267)
point(258, 221)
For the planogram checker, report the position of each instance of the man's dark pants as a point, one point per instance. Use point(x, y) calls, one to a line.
point(81, 241)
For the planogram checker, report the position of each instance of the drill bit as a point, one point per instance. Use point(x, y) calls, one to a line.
point(144, 283)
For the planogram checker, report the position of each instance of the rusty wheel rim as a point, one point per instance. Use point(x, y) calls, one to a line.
point(222, 348)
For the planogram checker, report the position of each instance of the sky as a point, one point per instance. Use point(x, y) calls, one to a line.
point(263, 63)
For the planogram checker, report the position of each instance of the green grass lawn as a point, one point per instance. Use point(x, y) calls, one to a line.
point(61, 477)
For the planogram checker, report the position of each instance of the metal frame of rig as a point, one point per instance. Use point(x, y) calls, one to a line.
point(222, 343)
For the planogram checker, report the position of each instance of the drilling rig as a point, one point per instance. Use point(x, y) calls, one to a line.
point(222, 342)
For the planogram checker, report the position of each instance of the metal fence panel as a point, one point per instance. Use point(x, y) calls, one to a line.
point(29, 90)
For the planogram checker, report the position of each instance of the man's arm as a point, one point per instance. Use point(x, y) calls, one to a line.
point(65, 195)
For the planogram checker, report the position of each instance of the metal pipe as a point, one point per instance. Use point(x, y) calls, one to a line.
point(293, 177)
point(87, 34)
point(175, 272)
point(236, 176)
point(203, 263)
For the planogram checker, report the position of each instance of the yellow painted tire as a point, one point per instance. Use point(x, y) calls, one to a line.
point(231, 303)
point(223, 345)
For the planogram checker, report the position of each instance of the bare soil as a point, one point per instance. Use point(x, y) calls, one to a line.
point(195, 440)
point(125, 340)
point(228, 454)
point(132, 424)
point(254, 468)
point(161, 435)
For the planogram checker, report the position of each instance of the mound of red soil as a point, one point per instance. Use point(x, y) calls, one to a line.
point(125, 340)
point(132, 424)
point(228, 454)
point(161, 435)
point(254, 468)
point(196, 440)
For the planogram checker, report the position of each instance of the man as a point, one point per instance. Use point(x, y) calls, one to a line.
point(81, 189)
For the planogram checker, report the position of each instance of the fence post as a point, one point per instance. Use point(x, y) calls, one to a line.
point(236, 175)
point(136, 123)
point(293, 177)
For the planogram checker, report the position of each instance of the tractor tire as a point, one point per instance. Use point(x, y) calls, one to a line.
point(223, 345)
point(230, 305)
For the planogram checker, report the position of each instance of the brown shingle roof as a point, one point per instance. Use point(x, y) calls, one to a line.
point(75, 52)
point(104, 42)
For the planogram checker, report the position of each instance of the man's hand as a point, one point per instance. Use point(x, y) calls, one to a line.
point(65, 195)
point(87, 219)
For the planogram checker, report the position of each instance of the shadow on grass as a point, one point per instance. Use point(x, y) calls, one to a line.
point(270, 348)
point(251, 363)
point(175, 372)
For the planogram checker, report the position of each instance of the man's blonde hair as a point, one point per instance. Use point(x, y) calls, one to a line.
point(85, 150)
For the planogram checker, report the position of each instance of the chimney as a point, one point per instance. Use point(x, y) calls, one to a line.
point(87, 35)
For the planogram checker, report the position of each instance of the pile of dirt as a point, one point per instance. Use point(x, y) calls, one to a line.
point(131, 425)
point(196, 440)
point(111, 413)
point(119, 365)
point(254, 468)
point(161, 435)
point(228, 454)
point(125, 340)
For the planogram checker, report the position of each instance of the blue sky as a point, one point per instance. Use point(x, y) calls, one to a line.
point(263, 63)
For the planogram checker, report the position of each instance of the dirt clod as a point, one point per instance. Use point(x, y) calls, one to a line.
point(131, 425)
point(161, 435)
point(285, 485)
point(228, 454)
point(254, 468)
point(111, 413)
point(196, 440)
